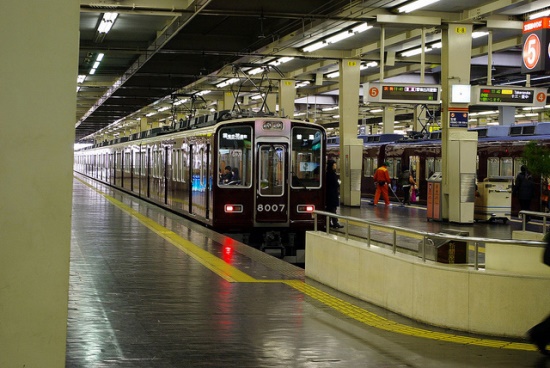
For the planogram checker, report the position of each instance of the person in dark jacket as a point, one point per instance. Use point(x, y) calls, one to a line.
point(524, 188)
point(332, 190)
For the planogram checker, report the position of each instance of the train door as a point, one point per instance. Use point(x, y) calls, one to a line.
point(272, 188)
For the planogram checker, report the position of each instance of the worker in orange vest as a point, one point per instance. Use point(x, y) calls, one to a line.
point(382, 181)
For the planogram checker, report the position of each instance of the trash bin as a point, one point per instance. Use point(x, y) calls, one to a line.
point(445, 250)
point(433, 200)
point(493, 199)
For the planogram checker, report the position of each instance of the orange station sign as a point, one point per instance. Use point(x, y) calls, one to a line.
point(536, 52)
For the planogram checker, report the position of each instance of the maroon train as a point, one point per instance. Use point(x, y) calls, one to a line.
point(499, 154)
point(277, 175)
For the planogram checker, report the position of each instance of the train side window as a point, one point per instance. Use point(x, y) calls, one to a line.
point(517, 165)
point(438, 164)
point(391, 167)
point(306, 157)
point(430, 167)
point(367, 166)
point(234, 150)
point(493, 166)
point(506, 167)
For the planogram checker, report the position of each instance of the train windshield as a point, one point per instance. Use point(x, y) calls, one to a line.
point(306, 157)
point(235, 156)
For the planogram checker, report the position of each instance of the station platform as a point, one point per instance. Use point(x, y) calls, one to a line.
point(151, 289)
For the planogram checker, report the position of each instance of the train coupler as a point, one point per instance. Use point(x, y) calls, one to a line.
point(273, 245)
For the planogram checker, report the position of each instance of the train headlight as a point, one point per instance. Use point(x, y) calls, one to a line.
point(305, 208)
point(233, 208)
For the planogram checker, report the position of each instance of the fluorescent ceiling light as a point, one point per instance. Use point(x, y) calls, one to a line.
point(100, 56)
point(415, 51)
point(281, 61)
point(540, 14)
point(479, 34)
point(107, 22)
point(81, 78)
point(179, 102)
point(256, 97)
point(337, 37)
point(163, 109)
point(205, 92)
point(416, 5)
point(361, 67)
point(255, 71)
point(92, 71)
point(315, 46)
point(227, 82)
point(151, 113)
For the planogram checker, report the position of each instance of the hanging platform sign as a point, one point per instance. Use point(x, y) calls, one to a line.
point(536, 52)
point(509, 96)
point(402, 93)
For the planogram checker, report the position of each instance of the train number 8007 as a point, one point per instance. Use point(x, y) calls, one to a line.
point(270, 208)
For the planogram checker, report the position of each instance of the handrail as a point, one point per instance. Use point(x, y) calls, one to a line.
point(426, 236)
point(544, 216)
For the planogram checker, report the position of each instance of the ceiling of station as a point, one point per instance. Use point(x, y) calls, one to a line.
point(159, 52)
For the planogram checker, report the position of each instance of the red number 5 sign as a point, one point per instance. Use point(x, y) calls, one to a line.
point(531, 51)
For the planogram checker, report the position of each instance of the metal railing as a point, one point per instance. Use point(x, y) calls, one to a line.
point(426, 237)
point(544, 216)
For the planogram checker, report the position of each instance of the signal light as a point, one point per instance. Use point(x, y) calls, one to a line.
point(305, 208)
point(233, 208)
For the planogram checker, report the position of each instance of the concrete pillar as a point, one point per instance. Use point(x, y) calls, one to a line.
point(38, 70)
point(228, 101)
point(143, 124)
point(271, 102)
point(459, 146)
point(388, 119)
point(506, 115)
point(287, 95)
point(350, 146)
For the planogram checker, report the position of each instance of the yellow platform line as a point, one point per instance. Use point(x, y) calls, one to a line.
point(210, 261)
point(382, 323)
point(232, 274)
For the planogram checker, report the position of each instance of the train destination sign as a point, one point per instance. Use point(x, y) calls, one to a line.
point(508, 96)
point(402, 93)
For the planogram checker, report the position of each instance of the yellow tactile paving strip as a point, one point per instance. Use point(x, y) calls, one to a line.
point(232, 274)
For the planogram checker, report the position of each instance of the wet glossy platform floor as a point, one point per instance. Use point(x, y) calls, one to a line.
point(150, 289)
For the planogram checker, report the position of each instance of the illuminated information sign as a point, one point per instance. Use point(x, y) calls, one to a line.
point(402, 93)
point(509, 96)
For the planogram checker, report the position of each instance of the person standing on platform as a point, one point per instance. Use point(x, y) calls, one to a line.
point(407, 184)
point(332, 191)
point(524, 189)
point(382, 181)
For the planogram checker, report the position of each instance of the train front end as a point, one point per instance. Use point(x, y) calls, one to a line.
point(280, 170)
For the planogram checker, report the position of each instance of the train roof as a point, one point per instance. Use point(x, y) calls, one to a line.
point(207, 124)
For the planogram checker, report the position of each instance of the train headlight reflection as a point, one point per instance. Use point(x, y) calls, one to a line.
point(233, 208)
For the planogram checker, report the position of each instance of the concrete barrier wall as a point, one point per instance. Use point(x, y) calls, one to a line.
point(484, 301)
